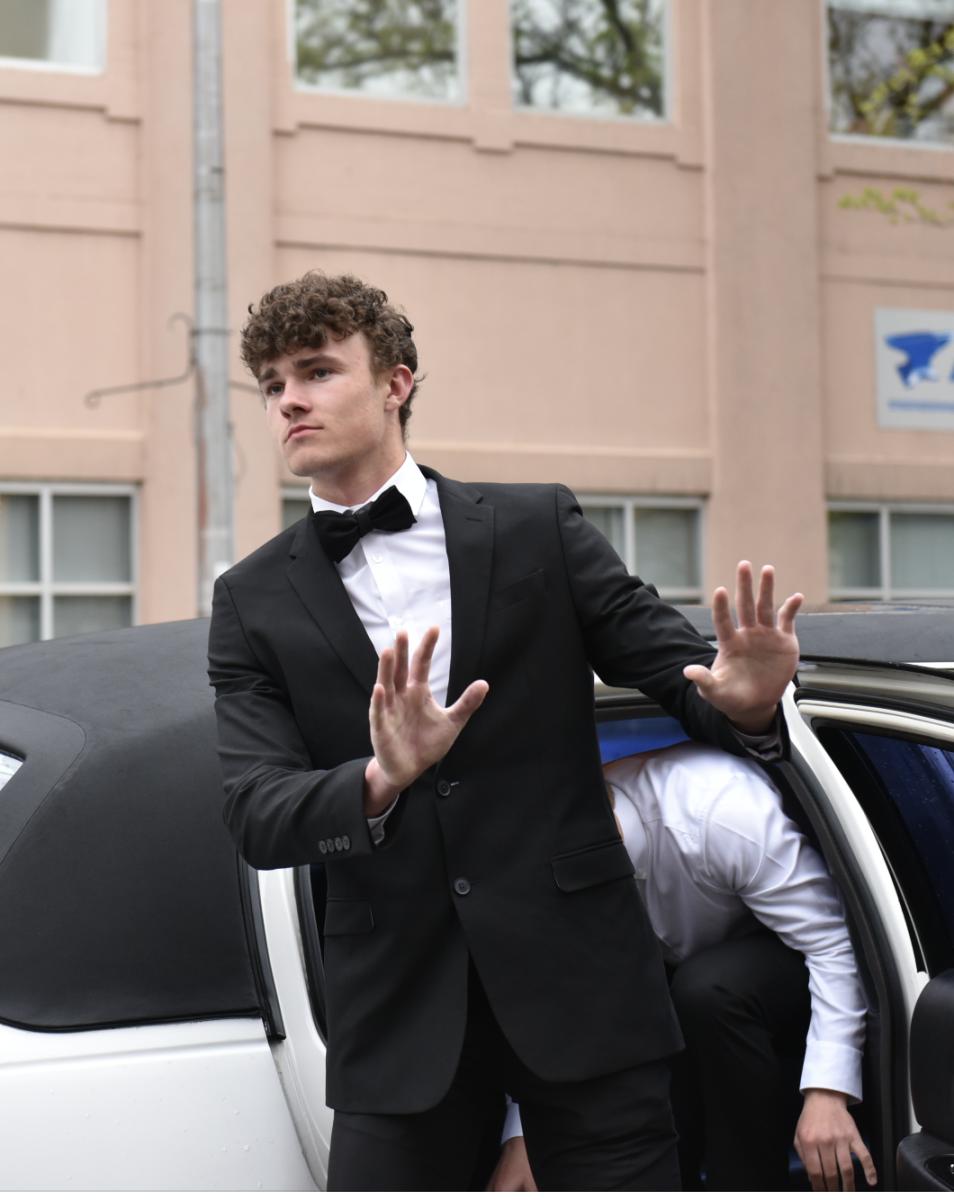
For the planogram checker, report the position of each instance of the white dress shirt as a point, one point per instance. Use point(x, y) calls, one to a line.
point(402, 580)
point(715, 858)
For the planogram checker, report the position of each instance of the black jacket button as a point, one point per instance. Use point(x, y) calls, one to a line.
point(323, 847)
point(339, 844)
point(461, 887)
point(443, 788)
point(346, 842)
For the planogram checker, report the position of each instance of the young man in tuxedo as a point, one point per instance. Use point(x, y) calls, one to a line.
point(483, 931)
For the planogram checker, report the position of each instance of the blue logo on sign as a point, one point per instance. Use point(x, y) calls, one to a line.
point(920, 349)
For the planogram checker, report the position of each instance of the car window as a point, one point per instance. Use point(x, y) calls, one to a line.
point(8, 767)
point(907, 790)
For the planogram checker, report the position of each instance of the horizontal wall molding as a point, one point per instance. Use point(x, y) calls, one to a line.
point(103, 455)
point(584, 468)
point(304, 232)
point(857, 478)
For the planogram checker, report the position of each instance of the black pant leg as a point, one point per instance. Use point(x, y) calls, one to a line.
point(744, 1008)
point(446, 1148)
point(612, 1133)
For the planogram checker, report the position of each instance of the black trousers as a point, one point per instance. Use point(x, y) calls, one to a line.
point(614, 1133)
point(744, 1008)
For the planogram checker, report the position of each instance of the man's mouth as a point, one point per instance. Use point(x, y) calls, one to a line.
point(298, 431)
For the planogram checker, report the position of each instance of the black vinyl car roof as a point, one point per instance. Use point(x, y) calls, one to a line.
point(120, 897)
point(884, 633)
point(120, 894)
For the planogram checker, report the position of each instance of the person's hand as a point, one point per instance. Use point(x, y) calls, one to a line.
point(825, 1139)
point(409, 730)
point(512, 1173)
point(755, 662)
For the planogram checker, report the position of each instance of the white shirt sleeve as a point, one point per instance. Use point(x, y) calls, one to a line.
point(752, 848)
point(513, 1127)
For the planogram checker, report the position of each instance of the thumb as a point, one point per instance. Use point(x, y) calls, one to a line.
point(701, 676)
point(469, 702)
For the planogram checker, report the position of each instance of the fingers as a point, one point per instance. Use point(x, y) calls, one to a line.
point(829, 1167)
point(386, 675)
point(845, 1166)
point(765, 607)
point(788, 612)
point(721, 616)
point(744, 594)
point(861, 1152)
point(421, 663)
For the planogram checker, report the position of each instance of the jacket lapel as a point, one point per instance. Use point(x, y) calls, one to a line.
point(319, 587)
point(469, 532)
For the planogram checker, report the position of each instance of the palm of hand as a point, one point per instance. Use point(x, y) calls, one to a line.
point(409, 730)
point(755, 662)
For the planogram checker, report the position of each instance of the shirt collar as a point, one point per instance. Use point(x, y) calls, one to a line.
point(408, 480)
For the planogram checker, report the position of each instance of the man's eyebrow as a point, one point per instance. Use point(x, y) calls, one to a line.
point(302, 364)
point(267, 375)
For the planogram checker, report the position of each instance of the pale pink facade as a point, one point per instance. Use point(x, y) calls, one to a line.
point(676, 309)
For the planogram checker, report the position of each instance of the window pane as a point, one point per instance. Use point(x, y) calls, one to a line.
point(920, 782)
point(386, 48)
point(19, 539)
point(891, 66)
point(19, 620)
point(294, 510)
point(667, 551)
point(593, 57)
point(854, 550)
point(609, 521)
point(922, 550)
point(90, 614)
point(91, 539)
point(66, 32)
point(8, 767)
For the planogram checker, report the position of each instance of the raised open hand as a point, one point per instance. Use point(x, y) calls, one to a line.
point(409, 730)
point(755, 662)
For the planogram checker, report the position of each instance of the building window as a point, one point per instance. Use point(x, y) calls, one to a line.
point(891, 552)
point(891, 68)
point(69, 34)
point(295, 505)
point(392, 49)
point(659, 540)
point(67, 562)
point(595, 58)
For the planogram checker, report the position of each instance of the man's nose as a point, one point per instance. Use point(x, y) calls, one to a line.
point(294, 397)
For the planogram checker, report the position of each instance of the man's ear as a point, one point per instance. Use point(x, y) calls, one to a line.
point(400, 383)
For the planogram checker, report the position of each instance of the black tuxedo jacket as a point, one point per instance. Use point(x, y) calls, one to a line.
point(507, 849)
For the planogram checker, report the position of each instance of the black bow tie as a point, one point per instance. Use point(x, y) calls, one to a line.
point(339, 533)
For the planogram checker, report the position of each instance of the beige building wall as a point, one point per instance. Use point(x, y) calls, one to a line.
point(672, 309)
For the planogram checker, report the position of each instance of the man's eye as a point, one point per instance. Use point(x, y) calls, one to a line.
point(320, 372)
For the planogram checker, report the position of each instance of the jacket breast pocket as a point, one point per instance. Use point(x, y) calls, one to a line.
point(530, 585)
point(581, 869)
point(348, 916)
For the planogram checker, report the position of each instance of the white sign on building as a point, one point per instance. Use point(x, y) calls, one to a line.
point(914, 364)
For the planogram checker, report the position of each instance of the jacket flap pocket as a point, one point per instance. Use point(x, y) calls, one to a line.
point(519, 590)
point(596, 864)
point(348, 916)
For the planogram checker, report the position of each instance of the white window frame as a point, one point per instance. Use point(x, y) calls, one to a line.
point(49, 64)
point(669, 87)
point(686, 595)
point(887, 592)
point(46, 588)
point(315, 89)
point(863, 139)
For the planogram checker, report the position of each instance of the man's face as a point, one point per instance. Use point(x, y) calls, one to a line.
point(326, 409)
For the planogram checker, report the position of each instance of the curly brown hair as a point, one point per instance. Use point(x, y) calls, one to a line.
point(302, 314)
